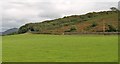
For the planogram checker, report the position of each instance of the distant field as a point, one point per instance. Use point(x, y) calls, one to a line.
point(60, 48)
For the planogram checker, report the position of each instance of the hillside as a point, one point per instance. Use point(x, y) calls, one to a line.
point(9, 31)
point(105, 21)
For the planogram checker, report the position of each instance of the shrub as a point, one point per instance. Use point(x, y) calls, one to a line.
point(94, 24)
point(111, 28)
point(72, 29)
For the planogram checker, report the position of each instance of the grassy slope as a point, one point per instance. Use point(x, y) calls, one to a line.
point(53, 48)
point(81, 22)
point(111, 19)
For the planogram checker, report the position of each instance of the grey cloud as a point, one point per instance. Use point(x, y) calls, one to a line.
point(18, 12)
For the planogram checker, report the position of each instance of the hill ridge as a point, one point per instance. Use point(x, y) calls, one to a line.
point(105, 21)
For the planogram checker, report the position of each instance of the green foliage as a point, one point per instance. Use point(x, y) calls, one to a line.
point(114, 9)
point(72, 29)
point(23, 29)
point(94, 24)
point(87, 28)
point(111, 28)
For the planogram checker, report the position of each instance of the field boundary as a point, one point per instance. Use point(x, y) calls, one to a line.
point(78, 33)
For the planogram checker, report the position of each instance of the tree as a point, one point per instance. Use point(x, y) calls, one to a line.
point(114, 9)
point(22, 29)
point(94, 24)
point(111, 28)
point(72, 29)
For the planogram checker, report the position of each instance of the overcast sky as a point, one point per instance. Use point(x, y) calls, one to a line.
point(15, 13)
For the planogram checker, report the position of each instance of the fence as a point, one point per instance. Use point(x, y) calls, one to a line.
point(79, 33)
point(94, 33)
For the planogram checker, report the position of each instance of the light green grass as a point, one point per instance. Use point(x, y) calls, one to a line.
point(60, 48)
point(0, 49)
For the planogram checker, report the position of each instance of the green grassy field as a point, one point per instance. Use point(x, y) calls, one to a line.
point(0, 49)
point(60, 48)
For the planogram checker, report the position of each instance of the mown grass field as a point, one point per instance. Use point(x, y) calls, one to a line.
point(60, 48)
point(0, 49)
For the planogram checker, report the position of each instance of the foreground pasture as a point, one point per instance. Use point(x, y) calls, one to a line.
point(60, 48)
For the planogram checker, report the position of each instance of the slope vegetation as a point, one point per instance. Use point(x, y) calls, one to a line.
point(105, 21)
